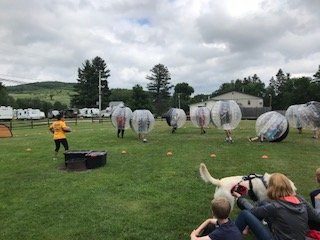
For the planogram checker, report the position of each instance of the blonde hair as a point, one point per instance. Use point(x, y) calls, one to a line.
point(318, 175)
point(220, 207)
point(279, 186)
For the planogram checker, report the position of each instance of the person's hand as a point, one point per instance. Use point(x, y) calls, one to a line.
point(193, 235)
point(236, 194)
point(317, 196)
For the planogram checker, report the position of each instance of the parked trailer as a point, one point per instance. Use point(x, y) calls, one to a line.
point(6, 113)
point(30, 113)
point(88, 112)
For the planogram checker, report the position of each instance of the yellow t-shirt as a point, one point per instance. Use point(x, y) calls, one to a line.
point(57, 128)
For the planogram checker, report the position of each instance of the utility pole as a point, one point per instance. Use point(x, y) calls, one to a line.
point(179, 99)
point(270, 101)
point(100, 94)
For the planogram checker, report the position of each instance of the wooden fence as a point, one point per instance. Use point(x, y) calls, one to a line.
point(32, 123)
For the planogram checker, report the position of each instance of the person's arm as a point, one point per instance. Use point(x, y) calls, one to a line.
point(195, 233)
point(242, 202)
point(317, 203)
point(313, 213)
point(260, 212)
point(65, 128)
point(51, 128)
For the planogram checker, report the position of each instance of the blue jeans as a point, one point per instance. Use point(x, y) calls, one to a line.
point(246, 218)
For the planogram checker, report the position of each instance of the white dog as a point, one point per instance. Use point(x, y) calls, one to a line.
point(256, 185)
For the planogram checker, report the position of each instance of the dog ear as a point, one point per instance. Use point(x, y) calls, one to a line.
point(267, 176)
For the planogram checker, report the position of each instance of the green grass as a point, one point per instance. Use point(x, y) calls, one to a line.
point(142, 194)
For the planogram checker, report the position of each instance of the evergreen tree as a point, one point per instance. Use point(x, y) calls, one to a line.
point(5, 99)
point(181, 96)
point(277, 89)
point(159, 86)
point(140, 99)
point(317, 76)
point(87, 88)
point(249, 85)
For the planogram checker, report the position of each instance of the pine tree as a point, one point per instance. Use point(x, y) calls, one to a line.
point(159, 86)
point(317, 76)
point(87, 88)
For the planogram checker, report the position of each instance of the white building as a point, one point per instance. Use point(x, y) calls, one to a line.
point(242, 99)
point(251, 104)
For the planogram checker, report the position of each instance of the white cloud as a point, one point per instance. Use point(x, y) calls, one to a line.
point(202, 42)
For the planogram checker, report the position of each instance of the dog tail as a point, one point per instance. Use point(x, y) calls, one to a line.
point(206, 176)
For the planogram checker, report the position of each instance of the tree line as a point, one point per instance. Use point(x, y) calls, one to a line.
point(282, 91)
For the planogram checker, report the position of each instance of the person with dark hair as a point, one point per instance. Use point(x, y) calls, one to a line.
point(220, 227)
point(59, 128)
point(286, 213)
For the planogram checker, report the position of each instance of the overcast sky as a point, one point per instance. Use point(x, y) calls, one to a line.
point(202, 42)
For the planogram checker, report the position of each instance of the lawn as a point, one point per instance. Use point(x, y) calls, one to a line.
point(143, 194)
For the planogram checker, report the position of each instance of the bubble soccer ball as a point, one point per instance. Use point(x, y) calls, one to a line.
point(310, 114)
point(176, 117)
point(295, 117)
point(121, 117)
point(200, 116)
point(272, 126)
point(226, 115)
point(142, 121)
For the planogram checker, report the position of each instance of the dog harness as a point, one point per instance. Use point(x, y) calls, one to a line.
point(249, 178)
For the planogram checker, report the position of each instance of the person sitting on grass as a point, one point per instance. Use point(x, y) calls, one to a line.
point(316, 193)
point(220, 227)
point(315, 200)
point(286, 213)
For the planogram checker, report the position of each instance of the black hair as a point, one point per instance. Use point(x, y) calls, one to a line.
point(58, 116)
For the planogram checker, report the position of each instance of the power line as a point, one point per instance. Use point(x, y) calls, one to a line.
point(21, 79)
point(13, 81)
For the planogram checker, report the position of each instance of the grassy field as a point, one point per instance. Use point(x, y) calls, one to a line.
point(143, 194)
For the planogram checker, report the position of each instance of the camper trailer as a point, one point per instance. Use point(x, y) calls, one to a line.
point(6, 113)
point(88, 112)
point(112, 106)
point(30, 113)
point(35, 114)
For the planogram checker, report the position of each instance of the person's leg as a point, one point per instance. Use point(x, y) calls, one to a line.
point(56, 150)
point(65, 144)
point(118, 132)
point(122, 133)
point(246, 218)
point(252, 139)
point(229, 134)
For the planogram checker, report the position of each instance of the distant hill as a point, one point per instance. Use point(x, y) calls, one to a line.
point(40, 86)
point(45, 91)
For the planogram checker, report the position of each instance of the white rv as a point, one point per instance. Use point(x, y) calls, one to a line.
point(35, 114)
point(89, 112)
point(6, 113)
point(30, 113)
point(113, 105)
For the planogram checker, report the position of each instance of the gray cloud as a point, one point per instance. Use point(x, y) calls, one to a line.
point(203, 43)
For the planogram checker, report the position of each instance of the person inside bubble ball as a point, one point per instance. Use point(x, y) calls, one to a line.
point(225, 119)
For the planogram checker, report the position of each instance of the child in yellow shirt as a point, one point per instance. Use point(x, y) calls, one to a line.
point(59, 128)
